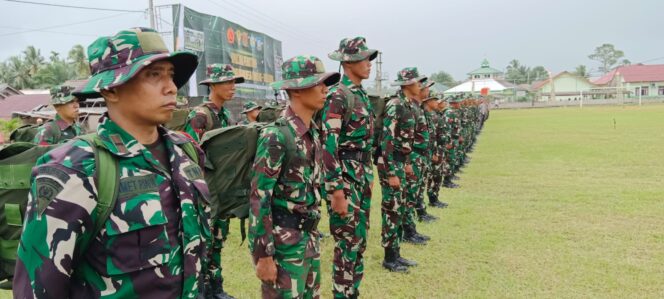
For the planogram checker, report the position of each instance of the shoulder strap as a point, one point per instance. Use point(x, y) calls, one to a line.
point(190, 150)
point(289, 141)
point(55, 130)
point(350, 101)
point(106, 180)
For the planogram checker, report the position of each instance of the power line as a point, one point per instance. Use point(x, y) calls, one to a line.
point(63, 25)
point(77, 7)
point(47, 31)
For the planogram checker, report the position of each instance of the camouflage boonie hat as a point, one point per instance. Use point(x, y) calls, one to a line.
point(353, 49)
point(408, 76)
point(302, 72)
point(249, 106)
point(62, 94)
point(219, 73)
point(114, 60)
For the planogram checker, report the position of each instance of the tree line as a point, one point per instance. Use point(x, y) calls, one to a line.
point(31, 70)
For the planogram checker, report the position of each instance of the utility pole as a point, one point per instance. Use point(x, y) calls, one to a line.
point(151, 13)
point(379, 74)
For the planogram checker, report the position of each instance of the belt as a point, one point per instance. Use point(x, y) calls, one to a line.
point(355, 155)
point(300, 222)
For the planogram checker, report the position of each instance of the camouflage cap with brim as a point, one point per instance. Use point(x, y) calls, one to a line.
point(352, 50)
point(249, 106)
point(117, 59)
point(62, 94)
point(302, 72)
point(220, 73)
point(408, 76)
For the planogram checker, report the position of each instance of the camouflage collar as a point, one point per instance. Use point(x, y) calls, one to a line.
point(122, 144)
point(352, 86)
point(61, 123)
point(212, 106)
point(298, 125)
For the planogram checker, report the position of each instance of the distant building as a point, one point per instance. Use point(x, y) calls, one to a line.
point(491, 79)
point(566, 87)
point(7, 91)
point(635, 80)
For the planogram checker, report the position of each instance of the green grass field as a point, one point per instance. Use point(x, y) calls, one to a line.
point(556, 203)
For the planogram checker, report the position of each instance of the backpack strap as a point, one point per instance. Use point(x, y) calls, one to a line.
point(351, 99)
point(289, 142)
point(216, 122)
point(190, 150)
point(107, 182)
point(55, 131)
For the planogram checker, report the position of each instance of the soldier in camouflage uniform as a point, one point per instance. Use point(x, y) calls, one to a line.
point(153, 244)
point(347, 150)
point(209, 116)
point(284, 207)
point(250, 109)
point(453, 131)
point(439, 165)
point(65, 125)
point(394, 165)
point(423, 155)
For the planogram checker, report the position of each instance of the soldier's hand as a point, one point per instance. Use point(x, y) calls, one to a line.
point(394, 182)
point(449, 146)
point(435, 158)
point(339, 203)
point(409, 170)
point(266, 269)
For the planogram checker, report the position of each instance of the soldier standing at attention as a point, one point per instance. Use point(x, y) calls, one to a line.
point(65, 125)
point(153, 243)
point(209, 116)
point(250, 110)
point(439, 165)
point(284, 207)
point(394, 165)
point(347, 126)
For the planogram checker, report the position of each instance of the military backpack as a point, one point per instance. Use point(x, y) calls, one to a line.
point(16, 163)
point(27, 133)
point(230, 153)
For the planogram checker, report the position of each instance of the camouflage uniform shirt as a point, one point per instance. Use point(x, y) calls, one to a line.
point(355, 134)
point(206, 117)
point(46, 135)
point(294, 191)
point(398, 133)
point(137, 252)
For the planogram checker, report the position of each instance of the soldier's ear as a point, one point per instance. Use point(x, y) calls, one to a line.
point(110, 95)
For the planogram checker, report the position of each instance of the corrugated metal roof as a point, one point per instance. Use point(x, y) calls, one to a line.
point(22, 103)
point(634, 73)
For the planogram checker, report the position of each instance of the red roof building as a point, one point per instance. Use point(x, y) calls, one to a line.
point(638, 79)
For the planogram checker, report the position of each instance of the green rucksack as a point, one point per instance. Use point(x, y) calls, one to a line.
point(270, 113)
point(16, 163)
point(378, 104)
point(179, 120)
point(230, 156)
point(27, 133)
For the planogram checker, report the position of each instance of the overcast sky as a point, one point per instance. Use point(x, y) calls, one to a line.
point(454, 36)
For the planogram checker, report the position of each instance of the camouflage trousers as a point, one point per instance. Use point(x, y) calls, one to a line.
point(297, 277)
point(435, 179)
point(350, 236)
point(393, 207)
point(219, 231)
point(415, 189)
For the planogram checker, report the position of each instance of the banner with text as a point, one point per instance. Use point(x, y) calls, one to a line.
point(254, 55)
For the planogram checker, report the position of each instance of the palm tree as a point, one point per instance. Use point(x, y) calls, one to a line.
point(33, 59)
point(79, 62)
point(18, 73)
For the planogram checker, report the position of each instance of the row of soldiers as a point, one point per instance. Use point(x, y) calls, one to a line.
point(160, 241)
